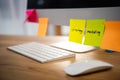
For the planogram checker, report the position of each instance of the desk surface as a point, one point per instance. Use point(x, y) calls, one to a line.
point(14, 66)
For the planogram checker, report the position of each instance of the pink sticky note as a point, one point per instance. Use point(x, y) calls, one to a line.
point(31, 15)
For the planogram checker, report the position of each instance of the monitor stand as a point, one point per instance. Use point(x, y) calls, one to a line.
point(72, 46)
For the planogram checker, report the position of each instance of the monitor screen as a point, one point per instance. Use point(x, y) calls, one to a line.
point(60, 4)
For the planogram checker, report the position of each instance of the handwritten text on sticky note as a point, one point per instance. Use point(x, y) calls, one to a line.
point(76, 30)
point(94, 32)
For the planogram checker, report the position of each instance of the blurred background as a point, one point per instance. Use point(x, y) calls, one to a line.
point(13, 15)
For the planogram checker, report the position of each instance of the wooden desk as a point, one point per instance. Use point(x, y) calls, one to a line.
point(14, 66)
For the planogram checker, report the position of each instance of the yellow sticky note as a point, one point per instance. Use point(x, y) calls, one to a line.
point(111, 38)
point(94, 32)
point(76, 30)
point(42, 29)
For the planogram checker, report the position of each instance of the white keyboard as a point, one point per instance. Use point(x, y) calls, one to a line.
point(41, 52)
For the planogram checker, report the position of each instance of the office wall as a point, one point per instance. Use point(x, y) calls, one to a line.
point(12, 16)
point(62, 16)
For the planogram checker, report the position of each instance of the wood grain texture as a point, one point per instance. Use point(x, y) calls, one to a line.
point(14, 66)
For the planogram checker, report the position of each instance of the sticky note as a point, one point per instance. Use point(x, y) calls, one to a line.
point(94, 32)
point(76, 30)
point(42, 29)
point(111, 38)
point(31, 15)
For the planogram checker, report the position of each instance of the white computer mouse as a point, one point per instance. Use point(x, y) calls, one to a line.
point(86, 66)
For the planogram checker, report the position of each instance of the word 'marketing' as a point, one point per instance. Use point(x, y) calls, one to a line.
point(93, 32)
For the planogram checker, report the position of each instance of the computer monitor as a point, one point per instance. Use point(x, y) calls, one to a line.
point(59, 13)
point(55, 4)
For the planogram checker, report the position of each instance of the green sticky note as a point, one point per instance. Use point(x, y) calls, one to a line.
point(76, 30)
point(94, 32)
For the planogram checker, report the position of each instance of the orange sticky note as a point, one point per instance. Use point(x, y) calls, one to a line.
point(43, 23)
point(111, 38)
